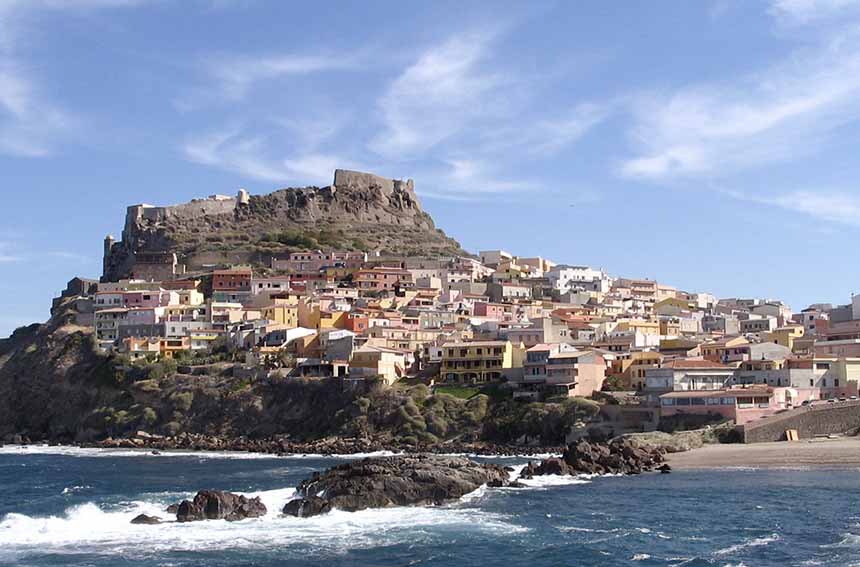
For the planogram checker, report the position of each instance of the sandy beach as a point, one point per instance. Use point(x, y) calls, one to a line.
point(842, 452)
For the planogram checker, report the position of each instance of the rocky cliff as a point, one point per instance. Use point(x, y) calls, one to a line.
point(359, 211)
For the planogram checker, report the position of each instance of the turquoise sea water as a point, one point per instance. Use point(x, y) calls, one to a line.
point(72, 507)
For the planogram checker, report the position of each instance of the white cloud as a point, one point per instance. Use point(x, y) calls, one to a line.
point(237, 74)
point(31, 123)
point(469, 179)
point(250, 156)
point(806, 11)
point(436, 97)
point(5, 256)
point(831, 206)
point(782, 112)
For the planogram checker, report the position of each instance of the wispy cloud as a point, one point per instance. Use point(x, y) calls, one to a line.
point(251, 156)
point(782, 112)
point(827, 205)
point(7, 257)
point(235, 75)
point(806, 11)
point(436, 97)
point(30, 122)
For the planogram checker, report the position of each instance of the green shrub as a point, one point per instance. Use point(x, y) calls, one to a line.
point(182, 401)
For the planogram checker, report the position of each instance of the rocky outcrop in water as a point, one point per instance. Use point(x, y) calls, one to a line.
point(619, 456)
point(146, 520)
point(379, 482)
point(219, 505)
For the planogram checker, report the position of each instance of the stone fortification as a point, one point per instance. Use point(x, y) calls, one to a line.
point(359, 211)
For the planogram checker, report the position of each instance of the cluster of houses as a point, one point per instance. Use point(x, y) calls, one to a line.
point(541, 329)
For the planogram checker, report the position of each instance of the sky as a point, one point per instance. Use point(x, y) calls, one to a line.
point(710, 145)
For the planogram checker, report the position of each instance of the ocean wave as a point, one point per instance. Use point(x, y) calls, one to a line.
point(91, 528)
point(640, 557)
point(755, 542)
point(848, 540)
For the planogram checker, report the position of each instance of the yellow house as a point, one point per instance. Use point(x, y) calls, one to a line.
point(388, 363)
point(644, 326)
point(672, 306)
point(283, 314)
point(784, 336)
point(478, 362)
point(631, 369)
point(333, 320)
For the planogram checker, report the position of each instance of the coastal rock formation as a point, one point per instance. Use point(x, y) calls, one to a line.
point(219, 505)
point(359, 211)
point(619, 456)
point(305, 507)
point(146, 520)
point(393, 481)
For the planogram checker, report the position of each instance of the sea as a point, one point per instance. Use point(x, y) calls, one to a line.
point(70, 506)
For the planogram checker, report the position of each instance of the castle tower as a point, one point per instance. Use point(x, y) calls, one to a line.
point(108, 246)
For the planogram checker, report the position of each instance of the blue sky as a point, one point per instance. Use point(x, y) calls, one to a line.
point(709, 145)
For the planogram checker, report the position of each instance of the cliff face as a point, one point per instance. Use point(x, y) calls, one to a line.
point(359, 211)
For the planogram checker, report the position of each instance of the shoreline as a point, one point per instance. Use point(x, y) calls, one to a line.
point(843, 452)
point(282, 447)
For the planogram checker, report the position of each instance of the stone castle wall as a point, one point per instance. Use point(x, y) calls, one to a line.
point(809, 421)
point(347, 178)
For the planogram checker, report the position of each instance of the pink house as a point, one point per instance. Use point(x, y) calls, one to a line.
point(838, 339)
point(494, 311)
point(738, 404)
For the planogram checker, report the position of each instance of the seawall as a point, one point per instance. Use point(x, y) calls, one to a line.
point(809, 421)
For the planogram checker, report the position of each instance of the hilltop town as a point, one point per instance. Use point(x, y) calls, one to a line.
point(526, 334)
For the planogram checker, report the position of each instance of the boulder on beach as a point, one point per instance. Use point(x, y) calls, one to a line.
point(146, 520)
point(403, 480)
point(219, 505)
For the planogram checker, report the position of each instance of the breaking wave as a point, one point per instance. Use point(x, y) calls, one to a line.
point(91, 528)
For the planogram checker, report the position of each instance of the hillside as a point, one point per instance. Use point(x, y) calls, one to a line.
point(359, 211)
point(54, 386)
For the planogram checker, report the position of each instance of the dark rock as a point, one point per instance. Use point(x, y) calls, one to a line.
point(219, 505)
point(618, 456)
point(665, 468)
point(172, 509)
point(394, 481)
point(144, 519)
point(307, 507)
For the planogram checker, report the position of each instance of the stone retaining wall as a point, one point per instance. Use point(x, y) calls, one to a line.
point(809, 421)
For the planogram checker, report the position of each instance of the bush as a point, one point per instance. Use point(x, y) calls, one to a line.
point(182, 401)
point(149, 417)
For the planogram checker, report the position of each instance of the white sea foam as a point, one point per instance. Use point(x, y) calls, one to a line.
point(550, 480)
point(640, 557)
point(91, 528)
point(756, 542)
point(848, 540)
point(70, 451)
